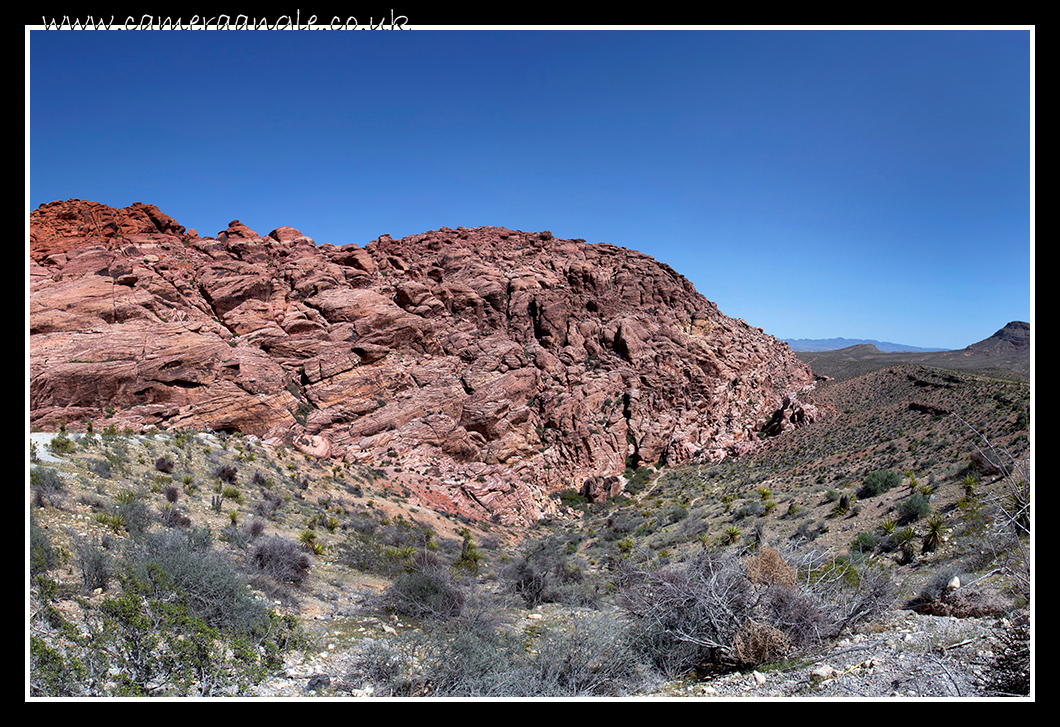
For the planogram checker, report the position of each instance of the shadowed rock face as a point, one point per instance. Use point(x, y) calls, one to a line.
point(510, 363)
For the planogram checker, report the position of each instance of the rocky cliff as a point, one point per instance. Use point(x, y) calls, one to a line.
point(490, 366)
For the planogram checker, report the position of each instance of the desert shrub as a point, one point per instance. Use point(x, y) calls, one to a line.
point(100, 467)
point(426, 591)
point(183, 624)
point(637, 479)
point(545, 573)
point(281, 559)
point(879, 482)
point(757, 642)
point(256, 528)
point(676, 513)
point(686, 616)
point(936, 585)
point(750, 509)
point(913, 508)
point(385, 548)
point(53, 674)
point(95, 560)
point(719, 609)
point(588, 657)
point(796, 615)
point(225, 473)
point(184, 565)
point(130, 513)
point(47, 486)
point(1008, 672)
point(165, 464)
point(171, 516)
point(385, 666)
point(767, 567)
point(572, 499)
point(865, 542)
point(62, 444)
point(269, 506)
point(42, 555)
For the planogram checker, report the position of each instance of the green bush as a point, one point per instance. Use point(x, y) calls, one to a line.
point(865, 542)
point(182, 623)
point(184, 565)
point(62, 444)
point(53, 674)
point(913, 508)
point(879, 482)
point(572, 499)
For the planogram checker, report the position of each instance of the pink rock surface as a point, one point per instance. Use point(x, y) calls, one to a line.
point(513, 364)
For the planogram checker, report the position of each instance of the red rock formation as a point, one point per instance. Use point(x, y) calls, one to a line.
point(511, 364)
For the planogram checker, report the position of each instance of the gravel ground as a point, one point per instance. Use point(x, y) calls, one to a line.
point(905, 655)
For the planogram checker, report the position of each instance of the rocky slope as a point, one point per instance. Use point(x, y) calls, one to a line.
point(489, 367)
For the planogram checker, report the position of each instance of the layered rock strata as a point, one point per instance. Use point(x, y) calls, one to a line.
point(501, 365)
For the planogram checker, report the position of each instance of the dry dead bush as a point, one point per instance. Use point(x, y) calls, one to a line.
point(730, 610)
point(767, 568)
point(759, 643)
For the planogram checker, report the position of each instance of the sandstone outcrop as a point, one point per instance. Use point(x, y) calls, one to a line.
point(505, 364)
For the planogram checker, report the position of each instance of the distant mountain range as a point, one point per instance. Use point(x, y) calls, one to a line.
point(1009, 348)
point(834, 344)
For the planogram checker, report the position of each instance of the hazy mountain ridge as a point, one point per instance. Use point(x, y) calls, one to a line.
point(1007, 350)
point(833, 344)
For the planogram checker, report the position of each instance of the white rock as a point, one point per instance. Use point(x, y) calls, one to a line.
point(824, 672)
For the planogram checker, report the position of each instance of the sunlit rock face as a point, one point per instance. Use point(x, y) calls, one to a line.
point(503, 365)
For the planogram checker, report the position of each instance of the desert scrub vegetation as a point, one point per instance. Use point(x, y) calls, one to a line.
point(730, 609)
point(587, 657)
point(545, 571)
point(181, 622)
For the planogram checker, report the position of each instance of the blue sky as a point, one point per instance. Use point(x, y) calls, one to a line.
point(857, 183)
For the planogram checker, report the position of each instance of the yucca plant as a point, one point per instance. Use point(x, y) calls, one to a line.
point(905, 535)
point(731, 535)
point(308, 539)
point(935, 533)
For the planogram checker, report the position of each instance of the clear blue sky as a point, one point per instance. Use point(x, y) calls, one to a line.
point(864, 184)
